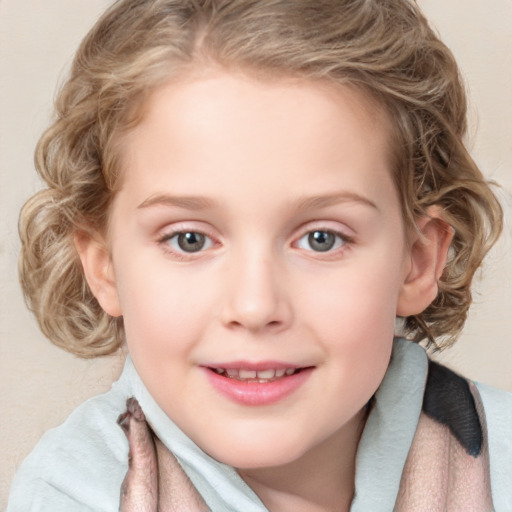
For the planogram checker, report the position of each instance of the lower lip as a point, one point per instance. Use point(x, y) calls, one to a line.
point(257, 393)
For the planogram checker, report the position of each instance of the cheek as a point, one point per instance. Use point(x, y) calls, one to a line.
point(163, 307)
point(357, 298)
point(354, 312)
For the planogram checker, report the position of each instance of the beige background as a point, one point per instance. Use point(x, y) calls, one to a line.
point(41, 384)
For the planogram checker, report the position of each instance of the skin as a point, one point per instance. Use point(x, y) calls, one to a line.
point(257, 166)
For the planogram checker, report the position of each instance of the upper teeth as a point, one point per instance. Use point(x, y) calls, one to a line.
point(240, 374)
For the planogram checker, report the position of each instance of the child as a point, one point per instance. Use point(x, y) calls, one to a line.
point(249, 193)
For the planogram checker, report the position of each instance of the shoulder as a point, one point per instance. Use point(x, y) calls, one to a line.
point(78, 466)
point(496, 401)
point(478, 416)
point(497, 405)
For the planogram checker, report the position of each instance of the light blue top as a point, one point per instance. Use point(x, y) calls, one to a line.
point(80, 465)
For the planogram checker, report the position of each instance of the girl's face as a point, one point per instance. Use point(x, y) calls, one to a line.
point(258, 259)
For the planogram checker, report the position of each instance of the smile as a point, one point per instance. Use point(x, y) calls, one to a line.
point(257, 384)
point(261, 376)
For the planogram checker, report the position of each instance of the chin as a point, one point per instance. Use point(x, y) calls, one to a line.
point(252, 455)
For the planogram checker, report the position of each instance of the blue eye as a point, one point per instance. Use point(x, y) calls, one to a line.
point(321, 240)
point(188, 241)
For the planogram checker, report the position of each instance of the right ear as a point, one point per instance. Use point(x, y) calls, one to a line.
point(98, 270)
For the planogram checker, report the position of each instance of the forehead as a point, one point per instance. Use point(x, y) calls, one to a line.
point(221, 127)
point(207, 87)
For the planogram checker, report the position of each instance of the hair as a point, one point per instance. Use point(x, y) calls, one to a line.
point(386, 48)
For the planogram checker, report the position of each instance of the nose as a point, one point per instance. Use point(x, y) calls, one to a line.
point(257, 295)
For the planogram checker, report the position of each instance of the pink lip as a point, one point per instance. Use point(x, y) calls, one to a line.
point(248, 365)
point(256, 393)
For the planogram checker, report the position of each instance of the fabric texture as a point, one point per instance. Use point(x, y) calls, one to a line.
point(409, 458)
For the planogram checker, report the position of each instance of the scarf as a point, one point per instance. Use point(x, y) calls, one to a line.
point(447, 468)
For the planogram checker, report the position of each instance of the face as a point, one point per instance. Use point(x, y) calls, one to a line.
point(258, 258)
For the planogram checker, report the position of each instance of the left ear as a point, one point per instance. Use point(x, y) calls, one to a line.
point(428, 254)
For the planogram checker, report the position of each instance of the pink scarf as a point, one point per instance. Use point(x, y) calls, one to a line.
point(447, 468)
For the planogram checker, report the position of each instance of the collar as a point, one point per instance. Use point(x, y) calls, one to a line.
point(381, 454)
point(390, 429)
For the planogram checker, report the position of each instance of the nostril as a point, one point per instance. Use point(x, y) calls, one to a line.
point(255, 311)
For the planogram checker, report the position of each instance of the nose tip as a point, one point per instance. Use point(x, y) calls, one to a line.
point(257, 299)
point(252, 319)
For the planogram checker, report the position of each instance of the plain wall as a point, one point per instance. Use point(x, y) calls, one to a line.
point(40, 384)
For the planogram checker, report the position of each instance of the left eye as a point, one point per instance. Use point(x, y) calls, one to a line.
point(321, 240)
point(189, 241)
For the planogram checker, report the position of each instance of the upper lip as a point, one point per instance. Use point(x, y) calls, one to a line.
point(254, 365)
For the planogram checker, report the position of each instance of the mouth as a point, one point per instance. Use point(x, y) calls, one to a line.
point(260, 376)
point(257, 384)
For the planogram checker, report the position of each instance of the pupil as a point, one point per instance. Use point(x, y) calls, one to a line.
point(321, 240)
point(191, 242)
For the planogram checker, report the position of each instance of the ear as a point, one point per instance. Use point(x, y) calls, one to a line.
point(98, 270)
point(427, 257)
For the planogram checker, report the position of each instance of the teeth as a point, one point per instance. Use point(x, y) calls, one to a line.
point(253, 375)
point(266, 374)
point(247, 374)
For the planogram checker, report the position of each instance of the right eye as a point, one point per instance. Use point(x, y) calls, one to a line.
point(187, 241)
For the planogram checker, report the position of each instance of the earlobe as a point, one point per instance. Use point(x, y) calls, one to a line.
point(98, 270)
point(427, 255)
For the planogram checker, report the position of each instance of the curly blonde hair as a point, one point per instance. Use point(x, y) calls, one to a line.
point(384, 47)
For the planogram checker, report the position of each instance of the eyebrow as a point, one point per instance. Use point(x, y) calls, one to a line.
point(323, 201)
point(305, 203)
point(186, 202)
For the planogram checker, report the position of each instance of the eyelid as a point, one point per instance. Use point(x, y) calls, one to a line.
point(344, 233)
point(340, 240)
point(325, 225)
point(169, 232)
point(176, 235)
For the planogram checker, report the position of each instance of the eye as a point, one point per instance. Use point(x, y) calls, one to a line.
point(321, 240)
point(188, 241)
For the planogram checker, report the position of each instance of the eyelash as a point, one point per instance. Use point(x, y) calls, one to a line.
point(341, 242)
point(180, 253)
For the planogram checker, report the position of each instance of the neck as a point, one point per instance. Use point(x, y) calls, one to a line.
point(322, 480)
